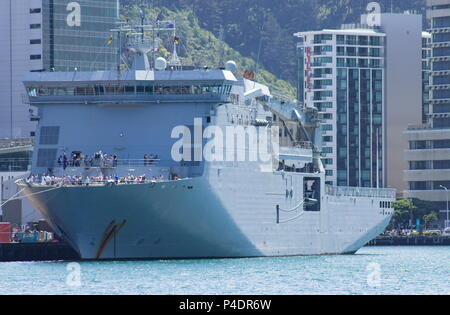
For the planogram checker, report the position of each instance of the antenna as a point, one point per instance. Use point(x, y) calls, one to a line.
point(142, 14)
point(140, 45)
point(259, 49)
point(221, 48)
point(174, 61)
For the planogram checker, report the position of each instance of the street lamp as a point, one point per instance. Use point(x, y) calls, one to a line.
point(446, 189)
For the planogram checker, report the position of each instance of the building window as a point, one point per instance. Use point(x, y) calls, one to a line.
point(327, 139)
point(441, 144)
point(35, 57)
point(441, 165)
point(35, 26)
point(49, 135)
point(35, 41)
point(419, 165)
point(37, 10)
point(417, 145)
point(375, 41)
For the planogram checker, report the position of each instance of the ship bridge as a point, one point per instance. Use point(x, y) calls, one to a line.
point(129, 86)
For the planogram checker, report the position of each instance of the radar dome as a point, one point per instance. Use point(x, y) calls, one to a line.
point(160, 63)
point(231, 66)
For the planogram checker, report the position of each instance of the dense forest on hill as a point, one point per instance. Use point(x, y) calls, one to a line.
point(262, 30)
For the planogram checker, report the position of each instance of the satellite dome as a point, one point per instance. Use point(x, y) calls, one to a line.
point(231, 66)
point(160, 63)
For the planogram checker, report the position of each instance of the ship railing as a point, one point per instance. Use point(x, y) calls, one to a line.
point(109, 163)
point(64, 182)
point(13, 143)
point(360, 192)
point(304, 145)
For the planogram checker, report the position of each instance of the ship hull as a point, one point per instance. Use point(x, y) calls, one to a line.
point(207, 217)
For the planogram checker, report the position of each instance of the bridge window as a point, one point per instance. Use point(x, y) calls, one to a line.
point(99, 90)
point(131, 90)
point(140, 90)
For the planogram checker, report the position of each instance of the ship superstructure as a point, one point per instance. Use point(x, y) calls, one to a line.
point(140, 163)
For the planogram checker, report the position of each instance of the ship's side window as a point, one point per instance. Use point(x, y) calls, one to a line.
point(49, 135)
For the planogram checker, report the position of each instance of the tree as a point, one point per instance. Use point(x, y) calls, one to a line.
point(406, 210)
point(431, 217)
point(403, 211)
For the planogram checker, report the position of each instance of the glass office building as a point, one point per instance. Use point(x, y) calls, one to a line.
point(49, 35)
point(76, 34)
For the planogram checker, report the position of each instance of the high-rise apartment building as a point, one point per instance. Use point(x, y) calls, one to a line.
point(426, 67)
point(367, 81)
point(342, 74)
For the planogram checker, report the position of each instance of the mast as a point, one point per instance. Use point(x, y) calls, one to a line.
point(221, 48)
point(140, 45)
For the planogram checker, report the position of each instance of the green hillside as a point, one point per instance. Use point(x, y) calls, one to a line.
point(246, 22)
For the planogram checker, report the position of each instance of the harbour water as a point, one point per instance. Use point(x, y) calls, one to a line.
point(373, 270)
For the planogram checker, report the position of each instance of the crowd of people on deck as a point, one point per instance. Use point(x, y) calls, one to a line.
point(76, 180)
point(79, 160)
point(100, 159)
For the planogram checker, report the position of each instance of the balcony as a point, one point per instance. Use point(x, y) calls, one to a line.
point(321, 42)
point(430, 195)
point(322, 54)
point(427, 155)
point(360, 192)
point(426, 175)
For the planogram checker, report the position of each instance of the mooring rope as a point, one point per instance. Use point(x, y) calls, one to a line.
point(14, 197)
point(294, 218)
point(293, 209)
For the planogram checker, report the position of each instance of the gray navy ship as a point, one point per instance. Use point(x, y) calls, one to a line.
point(121, 168)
